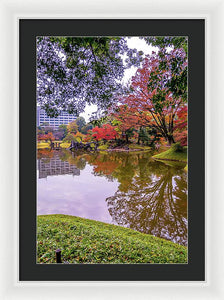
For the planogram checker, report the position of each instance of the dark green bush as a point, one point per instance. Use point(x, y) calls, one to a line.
point(177, 147)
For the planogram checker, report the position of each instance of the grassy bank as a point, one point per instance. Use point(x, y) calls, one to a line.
point(44, 145)
point(139, 147)
point(65, 145)
point(87, 241)
point(126, 148)
point(171, 154)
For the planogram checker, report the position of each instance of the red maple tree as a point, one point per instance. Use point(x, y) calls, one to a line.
point(158, 91)
point(180, 133)
point(106, 132)
point(46, 137)
point(125, 119)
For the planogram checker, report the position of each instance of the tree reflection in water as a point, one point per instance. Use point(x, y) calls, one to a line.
point(152, 196)
point(157, 205)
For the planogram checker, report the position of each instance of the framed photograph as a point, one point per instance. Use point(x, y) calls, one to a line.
point(22, 275)
point(113, 191)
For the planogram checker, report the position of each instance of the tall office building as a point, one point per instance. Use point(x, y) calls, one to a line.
point(63, 118)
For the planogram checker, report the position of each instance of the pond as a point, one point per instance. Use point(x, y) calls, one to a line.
point(126, 189)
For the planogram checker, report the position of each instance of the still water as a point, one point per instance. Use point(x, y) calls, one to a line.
point(126, 189)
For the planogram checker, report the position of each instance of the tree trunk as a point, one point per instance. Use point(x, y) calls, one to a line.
point(170, 139)
point(127, 141)
point(138, 142)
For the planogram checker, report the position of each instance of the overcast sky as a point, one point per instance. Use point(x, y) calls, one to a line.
point(133, 42)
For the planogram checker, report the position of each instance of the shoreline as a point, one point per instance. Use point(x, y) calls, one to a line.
point(125, 150)
point(106, 150)
point(169, 159)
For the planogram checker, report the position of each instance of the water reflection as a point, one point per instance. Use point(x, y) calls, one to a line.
point(147, 196)
point(155, 203)
point(55, 166)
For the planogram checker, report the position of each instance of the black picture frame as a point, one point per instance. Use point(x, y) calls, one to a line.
point(28, 269)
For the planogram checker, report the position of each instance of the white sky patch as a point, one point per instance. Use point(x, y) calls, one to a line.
point(88, 111)
point(140, 45)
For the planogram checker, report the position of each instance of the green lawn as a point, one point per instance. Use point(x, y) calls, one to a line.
point(103, 147)
point(140, 147)
point(65, 145)
point(87, 241)
point(170, 154)
point(44, 145)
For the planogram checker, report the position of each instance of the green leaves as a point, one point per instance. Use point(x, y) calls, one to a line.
point(168, 41)
point(80, 70)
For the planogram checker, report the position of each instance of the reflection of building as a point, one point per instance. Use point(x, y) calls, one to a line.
point(55, 166)
point(63, 118)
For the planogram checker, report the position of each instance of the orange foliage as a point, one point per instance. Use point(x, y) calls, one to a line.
point(45, 153)
point(46, 137)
